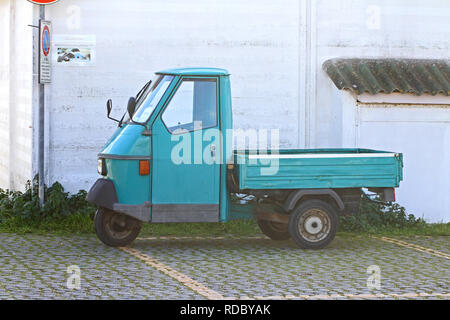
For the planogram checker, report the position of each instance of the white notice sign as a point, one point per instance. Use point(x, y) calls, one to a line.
point(44, 51)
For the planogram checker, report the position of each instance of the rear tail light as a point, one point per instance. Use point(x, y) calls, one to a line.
point(144, 167)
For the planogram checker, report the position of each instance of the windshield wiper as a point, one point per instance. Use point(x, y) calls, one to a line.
point(121, 120)
point(144, 88)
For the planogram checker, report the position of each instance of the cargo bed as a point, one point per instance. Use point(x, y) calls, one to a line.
point(318, 168)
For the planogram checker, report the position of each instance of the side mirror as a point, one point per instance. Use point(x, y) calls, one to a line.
point(109, 107)
point(131, 107)
point(108, 112)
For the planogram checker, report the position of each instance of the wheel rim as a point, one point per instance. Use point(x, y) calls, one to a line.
point(314, 225)
point(117, 226)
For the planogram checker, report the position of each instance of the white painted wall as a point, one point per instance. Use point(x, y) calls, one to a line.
point(274, 51)
point(4, 93)
point(368, 28)
point(422, 134)
point(257, 41)
point(16, 90)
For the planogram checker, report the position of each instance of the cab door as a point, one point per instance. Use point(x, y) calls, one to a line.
point(186, 154)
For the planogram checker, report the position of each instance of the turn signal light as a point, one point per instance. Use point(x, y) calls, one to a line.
point(144, 167)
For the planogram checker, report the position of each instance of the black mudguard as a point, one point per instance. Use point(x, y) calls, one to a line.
point(295, 196)
point(103, 194)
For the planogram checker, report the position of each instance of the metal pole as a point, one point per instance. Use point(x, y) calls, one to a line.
point(41, 123)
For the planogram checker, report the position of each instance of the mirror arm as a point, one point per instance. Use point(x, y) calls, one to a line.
point(112, 118)
point(109, 108)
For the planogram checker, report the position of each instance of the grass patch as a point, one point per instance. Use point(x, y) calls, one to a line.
point(232, 228)
point(72, 224)
point(82, 224)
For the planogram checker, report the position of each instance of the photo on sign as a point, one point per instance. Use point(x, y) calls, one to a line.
point(74, 50)
point(70, 55)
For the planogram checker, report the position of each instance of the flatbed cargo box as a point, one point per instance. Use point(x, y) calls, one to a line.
point(318, 168)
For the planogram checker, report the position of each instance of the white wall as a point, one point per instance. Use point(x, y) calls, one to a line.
point(4, 93)
point(16, 82)
point(368, 28)
point(422, 134)
point(257, 41)
point(274, 51)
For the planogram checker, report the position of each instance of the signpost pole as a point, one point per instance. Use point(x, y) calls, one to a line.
point(41, 123)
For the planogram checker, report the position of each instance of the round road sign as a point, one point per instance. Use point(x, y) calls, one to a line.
point(45, 41)
point(43, 1)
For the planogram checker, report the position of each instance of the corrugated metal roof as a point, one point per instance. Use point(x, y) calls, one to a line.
point(390, 75)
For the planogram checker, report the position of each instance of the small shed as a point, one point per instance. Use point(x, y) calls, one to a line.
point(404, 105)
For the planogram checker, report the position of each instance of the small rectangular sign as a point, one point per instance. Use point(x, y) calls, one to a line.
point(45, 36)
point(74, 50)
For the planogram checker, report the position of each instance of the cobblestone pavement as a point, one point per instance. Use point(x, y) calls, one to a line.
point(35, 267)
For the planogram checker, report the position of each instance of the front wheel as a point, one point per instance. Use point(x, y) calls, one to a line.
point(313, 224)
point(115, 229)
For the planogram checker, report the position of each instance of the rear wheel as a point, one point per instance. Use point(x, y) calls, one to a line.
point(274, 230)
point(115, 229)
point(313, 224)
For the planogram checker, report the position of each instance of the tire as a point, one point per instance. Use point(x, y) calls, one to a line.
point(115, 229)
point(313, 224)
point(274, 230)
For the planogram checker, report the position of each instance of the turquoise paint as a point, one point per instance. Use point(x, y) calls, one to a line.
point(131, 187)
point(128, 141)
point(301, 173)
point(200, 184)
point(226, 124)
point(195, 72)
point(183, 183)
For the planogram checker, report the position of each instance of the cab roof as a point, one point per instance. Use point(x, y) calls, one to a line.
point(195, 72)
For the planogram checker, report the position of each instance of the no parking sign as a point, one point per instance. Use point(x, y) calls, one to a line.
point(44, 51)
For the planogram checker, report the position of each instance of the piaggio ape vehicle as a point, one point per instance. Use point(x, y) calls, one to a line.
point(154, 170)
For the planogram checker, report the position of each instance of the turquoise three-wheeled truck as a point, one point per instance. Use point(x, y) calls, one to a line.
point(171, 160)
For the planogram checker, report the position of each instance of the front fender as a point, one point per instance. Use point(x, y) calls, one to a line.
point(103, 194)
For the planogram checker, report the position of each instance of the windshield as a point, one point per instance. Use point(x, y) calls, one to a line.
point(149, 98)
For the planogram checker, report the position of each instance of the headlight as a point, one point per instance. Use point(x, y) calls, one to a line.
point(101, 166)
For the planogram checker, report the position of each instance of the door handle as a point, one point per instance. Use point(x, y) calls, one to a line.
point(213, 151)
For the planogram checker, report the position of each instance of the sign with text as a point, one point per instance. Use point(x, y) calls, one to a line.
point(45, 51)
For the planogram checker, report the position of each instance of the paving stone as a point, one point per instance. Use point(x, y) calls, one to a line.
point(35, 267)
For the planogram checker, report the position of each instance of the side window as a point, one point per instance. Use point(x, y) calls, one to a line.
point(194, 101)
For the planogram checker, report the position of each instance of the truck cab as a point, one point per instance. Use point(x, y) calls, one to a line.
point(171, 160)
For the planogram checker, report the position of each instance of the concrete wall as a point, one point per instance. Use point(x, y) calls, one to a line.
point(16, 92)
point(257, 41)
point(418, 127)
point(274, 51)
point(367, 28)
point(410, 29)
point(422, 134)
point(4, 93)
